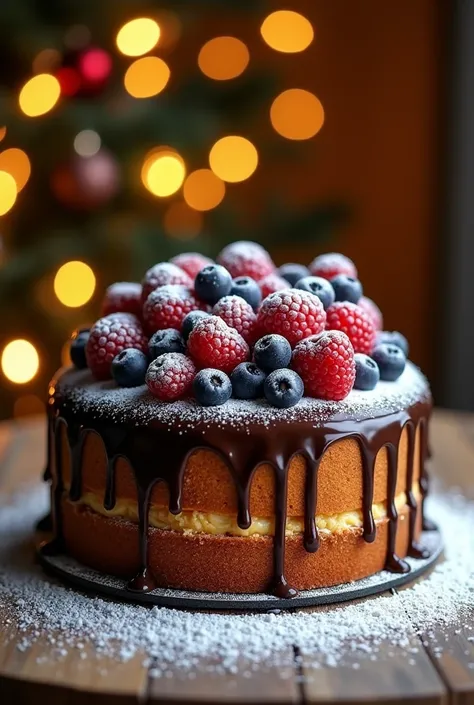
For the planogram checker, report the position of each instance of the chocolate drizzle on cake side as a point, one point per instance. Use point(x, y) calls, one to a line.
point(242, 454)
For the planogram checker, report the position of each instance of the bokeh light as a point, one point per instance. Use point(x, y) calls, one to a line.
point(3, 132)
point(74, 284)
point(39, 95)
point(146, 77)
point(297, 114)
point(138, 36)
point(87, 143)
point(28, 405)
point(233, 158)
point(20, 361)
point(203, 190)
point(223, 58)
point(182, 222)
point(16, 163)
point(77, 37)
point(8, 192)
point(46, 61)
point(163, 172)
point(95, 65)
point(69, 80)
point(287, 31)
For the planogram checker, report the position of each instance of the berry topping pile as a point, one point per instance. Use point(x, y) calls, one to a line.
point(239, 327)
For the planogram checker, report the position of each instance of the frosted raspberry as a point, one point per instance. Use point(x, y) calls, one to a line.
point(245, 258)
point(326, 365)
point(108, 337)
point(295, 314)
point(213, 344)
point(271, 283)
point(352, 320)
point(332, 264)
point(123, 297)
point(167, 306)
point(191, 262)
point(238, 314)
point(163, 274)
point(371, 308)
point(170, 376)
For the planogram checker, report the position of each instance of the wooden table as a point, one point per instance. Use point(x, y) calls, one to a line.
point(428, 679)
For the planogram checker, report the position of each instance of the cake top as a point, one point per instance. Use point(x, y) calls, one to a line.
point(241, 338)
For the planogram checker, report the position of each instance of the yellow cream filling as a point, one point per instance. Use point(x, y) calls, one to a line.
point(218, 524)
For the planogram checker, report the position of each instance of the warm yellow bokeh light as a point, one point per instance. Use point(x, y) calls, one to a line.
point(287, 31)
point(74, 283)
point(8, 192)
point(15, 162)
point(28, 405)
point(233, 158)
point(20, 361)
point(203, 190)
point(138, 36)
point(146, 77)
point(182, 222)
point(39, 95)
point(223, 58)
point(297, 114)
point(3, 132)
point(163, 172)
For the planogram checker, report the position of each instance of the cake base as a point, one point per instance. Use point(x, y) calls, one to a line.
point(89, 580)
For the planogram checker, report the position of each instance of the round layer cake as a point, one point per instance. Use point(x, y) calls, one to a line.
point(243, 497)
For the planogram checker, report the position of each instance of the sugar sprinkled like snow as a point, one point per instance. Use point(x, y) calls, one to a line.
point(38, 606)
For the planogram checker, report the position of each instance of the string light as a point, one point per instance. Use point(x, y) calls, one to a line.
point(163, 172)
point(181, 221)
point(146, 77)
point(20, 361)
point(297, 114)
point(233, 158)
point(27, 405)
point(138, 36)
point(87, 143)
point(203, 190)
point(287, 31)
point(74, 283)
point(16, 163)
point(8, 192)
point(39, 95)
point(223, 58)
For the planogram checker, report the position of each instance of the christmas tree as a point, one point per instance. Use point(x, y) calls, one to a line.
point(131, 132)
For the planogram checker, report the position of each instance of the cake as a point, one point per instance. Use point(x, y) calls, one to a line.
point(206, 440)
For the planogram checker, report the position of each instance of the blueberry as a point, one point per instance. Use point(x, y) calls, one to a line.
point(166, 341)
point(272, 352)
point(212, 387)
point(283, 388)
point(391, 361)
point(247, 381)
point(293, 272)
point(212, 283)
point(77, 349)
point(394, 337)
point(190, 321)
point(346, 288)
point(319, 287)
point(129, 368)
point(367, 372)
point(248, 289)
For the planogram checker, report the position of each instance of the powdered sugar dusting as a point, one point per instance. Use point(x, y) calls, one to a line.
point(137, 406)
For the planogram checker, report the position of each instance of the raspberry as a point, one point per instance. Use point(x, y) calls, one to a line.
point(163, 274)
point(238, 314)
point(108, 337)
point(170, 376)
point(213, 344)
point(191, 262)
point(246, 258)
point(332, 264)
point(371, 308)
point(271, 283)
point(352, 320)
point(326, 365)
point(167, 306)
point(123, 297)
point(293, 313)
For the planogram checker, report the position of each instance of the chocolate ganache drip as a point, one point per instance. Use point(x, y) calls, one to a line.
point(242, 454)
